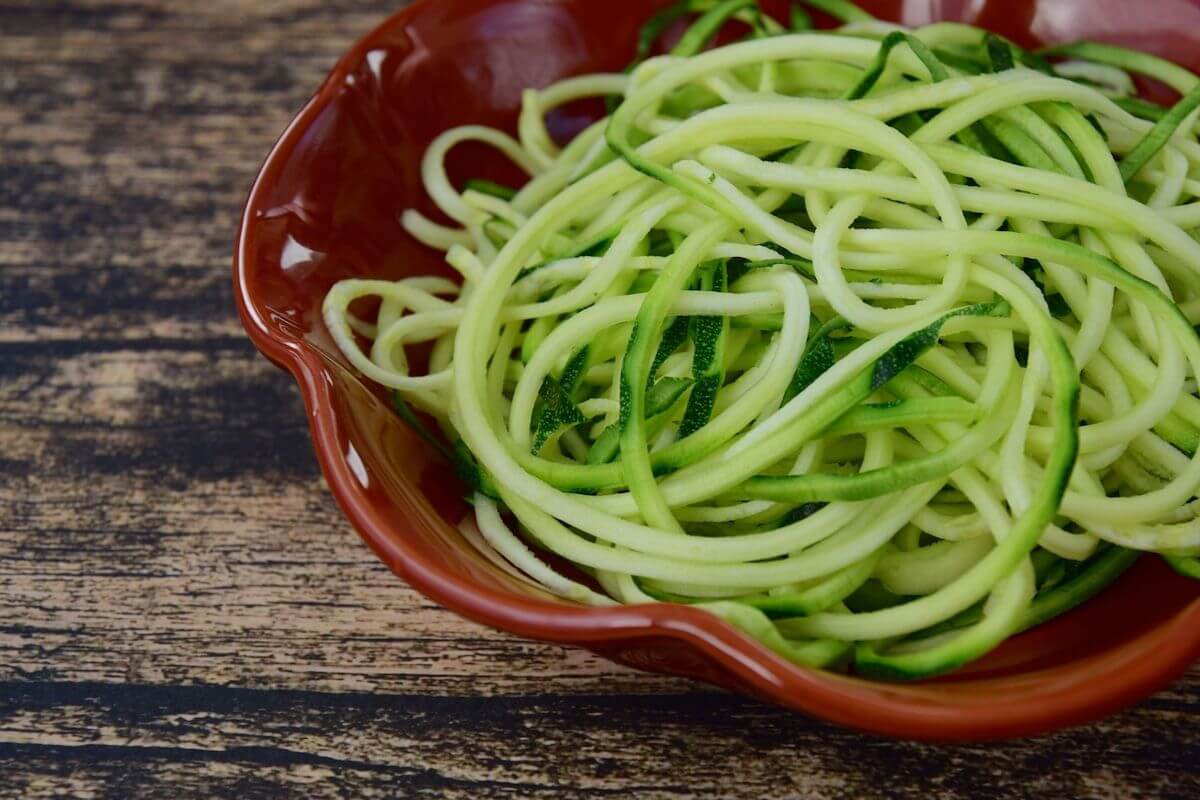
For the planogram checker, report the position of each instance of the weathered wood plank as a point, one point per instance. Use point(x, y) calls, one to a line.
point(130, 133)
point(163, 521)
point(688, 745)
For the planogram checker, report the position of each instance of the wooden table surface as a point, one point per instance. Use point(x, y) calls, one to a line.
point(183, 610)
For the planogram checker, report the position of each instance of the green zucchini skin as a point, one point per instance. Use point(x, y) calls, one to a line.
point(1187, 566)
point(709, 336)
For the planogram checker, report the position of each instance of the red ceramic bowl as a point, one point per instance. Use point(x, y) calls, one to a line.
point(325, 207)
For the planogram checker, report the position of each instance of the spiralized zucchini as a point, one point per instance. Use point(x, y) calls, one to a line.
point(876, 343)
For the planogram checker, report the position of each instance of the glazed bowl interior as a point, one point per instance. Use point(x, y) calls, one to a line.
point(326, 207)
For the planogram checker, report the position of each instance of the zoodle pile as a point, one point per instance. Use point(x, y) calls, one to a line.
point(877, 343)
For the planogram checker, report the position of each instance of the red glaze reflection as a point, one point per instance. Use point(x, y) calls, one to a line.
point(325, 206)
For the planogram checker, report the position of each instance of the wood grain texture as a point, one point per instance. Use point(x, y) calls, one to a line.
point(183, 610)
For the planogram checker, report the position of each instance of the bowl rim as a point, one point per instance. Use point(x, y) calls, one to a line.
point(1110, 681)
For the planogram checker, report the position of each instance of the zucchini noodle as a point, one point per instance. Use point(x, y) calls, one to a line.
point(876, 343)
